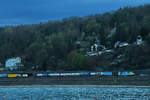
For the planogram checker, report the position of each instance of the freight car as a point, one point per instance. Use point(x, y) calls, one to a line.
point(66, 74)
point(13, 75)
point(71, 74)
point(3, 75)
point(126, 73)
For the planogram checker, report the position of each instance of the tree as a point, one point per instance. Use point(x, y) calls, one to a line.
point(76, 60)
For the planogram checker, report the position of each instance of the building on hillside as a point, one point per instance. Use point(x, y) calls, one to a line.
point(139, 40)
point(97, 46)
point(78, 44)
point(119, 44)
point(13, 63)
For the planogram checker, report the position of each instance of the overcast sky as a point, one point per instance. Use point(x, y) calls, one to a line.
point(35, 11)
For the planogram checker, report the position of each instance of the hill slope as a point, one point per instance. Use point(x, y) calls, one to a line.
point(52, 45)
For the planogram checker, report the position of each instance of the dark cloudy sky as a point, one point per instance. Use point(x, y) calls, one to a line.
point(35, 11)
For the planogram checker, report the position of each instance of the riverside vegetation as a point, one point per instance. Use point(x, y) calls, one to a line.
point(53, 45)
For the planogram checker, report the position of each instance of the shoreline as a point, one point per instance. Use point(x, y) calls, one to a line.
point(94, 81)
point(100, 86)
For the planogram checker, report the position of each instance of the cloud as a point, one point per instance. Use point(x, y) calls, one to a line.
point(34, 11)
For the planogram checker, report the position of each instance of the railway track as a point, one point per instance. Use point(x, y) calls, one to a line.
point(94, 80)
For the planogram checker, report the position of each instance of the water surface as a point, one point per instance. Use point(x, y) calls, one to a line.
point(73, 93)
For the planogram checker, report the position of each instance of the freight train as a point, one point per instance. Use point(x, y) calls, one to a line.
point(26, 75)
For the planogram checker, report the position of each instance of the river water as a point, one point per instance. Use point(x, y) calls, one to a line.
point(74, 93)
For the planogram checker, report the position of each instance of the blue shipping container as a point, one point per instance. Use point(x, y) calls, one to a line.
point(3, 75)
point(44, 75)
point(85, 74)
point(107, 73)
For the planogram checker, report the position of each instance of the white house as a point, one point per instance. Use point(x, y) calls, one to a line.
point(13, 63)
point(97, 46)
point(120, 44)
point(139, 40)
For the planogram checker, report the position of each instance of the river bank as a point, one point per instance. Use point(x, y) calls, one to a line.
point(98, 86)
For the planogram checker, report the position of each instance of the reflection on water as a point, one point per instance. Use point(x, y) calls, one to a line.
point(73, 93)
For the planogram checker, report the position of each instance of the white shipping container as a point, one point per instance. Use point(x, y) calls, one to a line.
point(75, 74)
point(54, 74)
point(62, 74)
point(67, 74)
point(18, 75)
point(94, 73)
point(39, 75)
point(24, 75)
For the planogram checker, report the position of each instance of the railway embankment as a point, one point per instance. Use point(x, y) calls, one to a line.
point(78, 80)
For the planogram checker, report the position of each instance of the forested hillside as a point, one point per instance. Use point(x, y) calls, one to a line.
point(53, 45)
